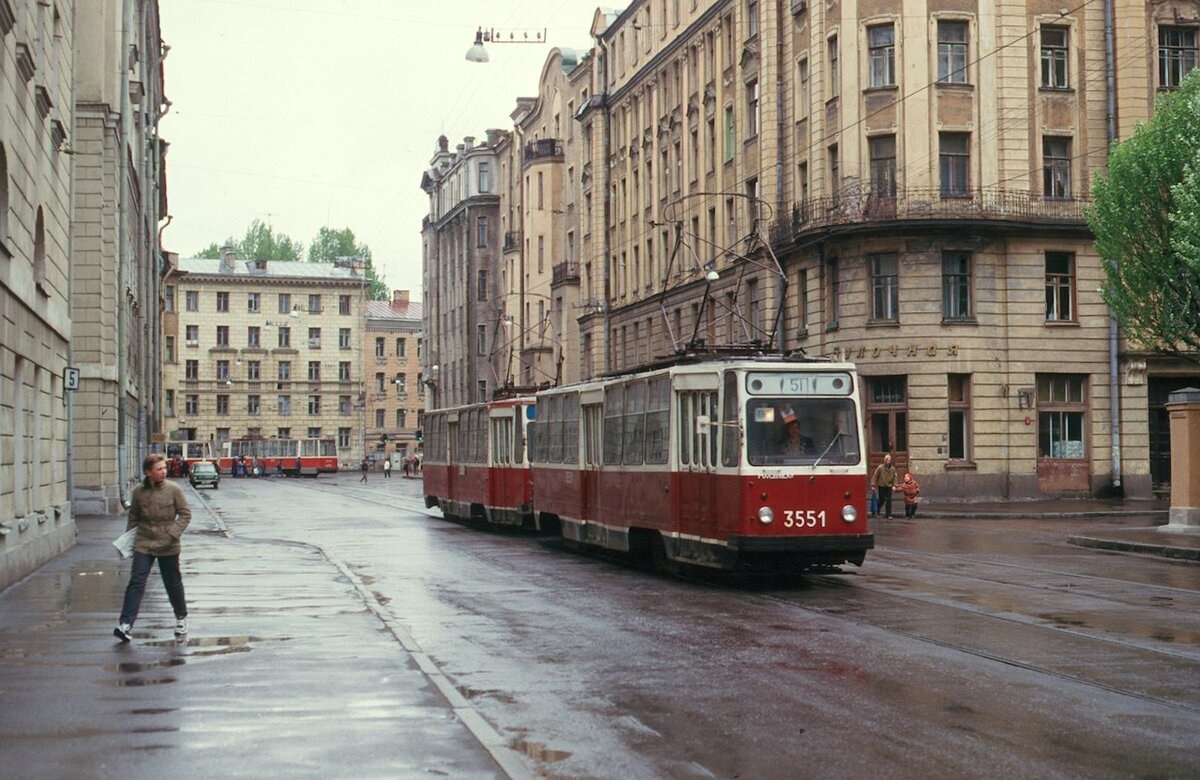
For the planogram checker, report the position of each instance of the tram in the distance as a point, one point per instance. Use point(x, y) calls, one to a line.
point(739, 463)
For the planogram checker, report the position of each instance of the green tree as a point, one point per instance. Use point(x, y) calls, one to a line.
point(331, 244)
point(1146, 219)
point(259, 243)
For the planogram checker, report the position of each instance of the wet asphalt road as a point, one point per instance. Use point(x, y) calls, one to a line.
point(961, 649)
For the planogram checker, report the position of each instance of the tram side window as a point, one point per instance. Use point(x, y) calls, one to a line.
point(658, 419)
point(519, 438)
point(554, 428)
point(686, 416)
point(614, 408)
point(501, 440)
point(593, 416)
point(730, 437)
point(571, 429)
point(634, 424)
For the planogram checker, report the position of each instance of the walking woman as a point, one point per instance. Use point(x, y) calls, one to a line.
point(160, 513)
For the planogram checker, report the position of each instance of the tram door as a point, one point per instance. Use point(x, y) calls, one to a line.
point(591, 416)
point(696, 453)
point(452, 455)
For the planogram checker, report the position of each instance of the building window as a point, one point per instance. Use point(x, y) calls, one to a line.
point(314, 431)
point(485, 178)
point(222, 335)
point(283, 433)
point(379, 347)
point(751, 18)
point(1056, 167)
point(401, 348)
point(285, 337)
point(805, 81)
point(191, 300)
point(222, 434)
point(954, 161)
point(481, 285)
point(285, 370)
point(883, 166)
point(222, 370)
point(802, 301)
point(314, 371)
point(1060, 287)
point(835, 175)
point(343, 438)
point(401, 418)
point(956, 285)
point(481, 231)
point(952, 52)
point(314, 404)
point(481, 345)
point(958, 404)
point(314, 304)
point(314, 338)
point(253, 337)
point(835, 76)
point(253, 370)
point(1061, 410)
point(344, 304)
point(729, 133)
point(169, 345)
point(752, 109)
point(344, 405)
point(885, 286)
point(285, 303)
point(192, 334)
point(402, 384)
point(170, 404)
point(832, 294)
point(379, 417)
point(481, 391)
point(191, 404)
point(1054, 57)
point(285, 405)
point(222, 301)
point(380, 383)
point(344, 371)
point(253, 405)
point(343, 338)
point(1176, 55)
point(881, 44)
point(168, 293)
point(222, 404)
point(253, 302)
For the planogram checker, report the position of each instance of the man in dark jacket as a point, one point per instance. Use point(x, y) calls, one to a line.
point(884, 480)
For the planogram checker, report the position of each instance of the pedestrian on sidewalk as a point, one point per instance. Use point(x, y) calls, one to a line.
point(159, 511)
point(884, 480)
point(364, 467)
point(912, 496)
point(387, 468)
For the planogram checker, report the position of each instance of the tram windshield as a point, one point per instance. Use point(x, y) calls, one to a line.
point(801, 432)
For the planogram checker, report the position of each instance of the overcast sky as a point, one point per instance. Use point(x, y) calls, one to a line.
point(306, 113)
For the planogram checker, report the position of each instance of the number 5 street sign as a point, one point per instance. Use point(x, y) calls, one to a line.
point(71, 378)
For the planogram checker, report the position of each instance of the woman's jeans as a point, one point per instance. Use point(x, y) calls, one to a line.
point(168, 567)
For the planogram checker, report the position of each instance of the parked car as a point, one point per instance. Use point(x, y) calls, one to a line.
point(205, 473)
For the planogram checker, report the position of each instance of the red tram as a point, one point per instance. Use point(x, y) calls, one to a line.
point(178, 452)
point(316, 455)
point(738, 463)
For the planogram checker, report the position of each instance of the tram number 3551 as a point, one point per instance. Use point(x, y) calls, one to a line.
point(803, 518)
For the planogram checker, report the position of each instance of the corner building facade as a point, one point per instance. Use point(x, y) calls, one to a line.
point(899, 185)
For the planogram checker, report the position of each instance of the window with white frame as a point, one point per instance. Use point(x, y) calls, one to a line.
point(1176, 55)
point(952, 52)
point(881, 48)
point(885, 286)
point(1055, 48)
point(1056, 167)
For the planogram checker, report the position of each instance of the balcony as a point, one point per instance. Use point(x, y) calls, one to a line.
point(512, 240)
point(541, 149)
point(926, 207)
point(565, 273)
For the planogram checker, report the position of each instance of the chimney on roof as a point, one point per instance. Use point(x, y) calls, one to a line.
point(260, 264)
point(399, 298)
point(443, 143)
point(493, 136)
point(469, 142)
point(228, 257)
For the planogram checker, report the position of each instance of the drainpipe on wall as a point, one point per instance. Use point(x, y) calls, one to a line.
point(122, 261)
point(607, 205)
point(1110, 122)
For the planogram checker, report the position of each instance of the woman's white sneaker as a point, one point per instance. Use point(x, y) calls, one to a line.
point(181, 626)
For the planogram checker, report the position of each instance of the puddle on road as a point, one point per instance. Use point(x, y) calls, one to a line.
point(132, 667)
point(500, 696)
point(136, 682)
point(153, 711)
point(539, 752)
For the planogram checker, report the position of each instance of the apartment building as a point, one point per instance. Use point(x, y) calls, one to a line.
point(395, 402)
point(900, 187)
point(266, 349)
point(537, 304)
point(36, 520)
point(118, 167)
point(460, 240)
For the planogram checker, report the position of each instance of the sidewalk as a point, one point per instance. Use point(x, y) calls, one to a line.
point(1125, 526)
point(290, 671)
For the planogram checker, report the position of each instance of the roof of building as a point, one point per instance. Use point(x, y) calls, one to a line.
point(395, 310)
point(274, 269)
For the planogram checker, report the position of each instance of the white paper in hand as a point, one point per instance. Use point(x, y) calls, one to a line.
point(124, 542)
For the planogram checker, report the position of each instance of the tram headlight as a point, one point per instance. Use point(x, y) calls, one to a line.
point(849, 513)
point(766, 515)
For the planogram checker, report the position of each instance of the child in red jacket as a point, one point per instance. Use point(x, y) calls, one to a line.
point(911, 491)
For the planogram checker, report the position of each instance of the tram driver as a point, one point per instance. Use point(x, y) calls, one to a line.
point(794, 443)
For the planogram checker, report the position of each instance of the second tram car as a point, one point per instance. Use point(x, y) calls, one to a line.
point(316, 455)
point(742, 464)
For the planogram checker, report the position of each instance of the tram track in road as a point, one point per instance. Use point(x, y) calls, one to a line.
point(890, 611)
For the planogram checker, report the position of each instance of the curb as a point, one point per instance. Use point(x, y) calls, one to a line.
point(1161, 550)
point(942, 514)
